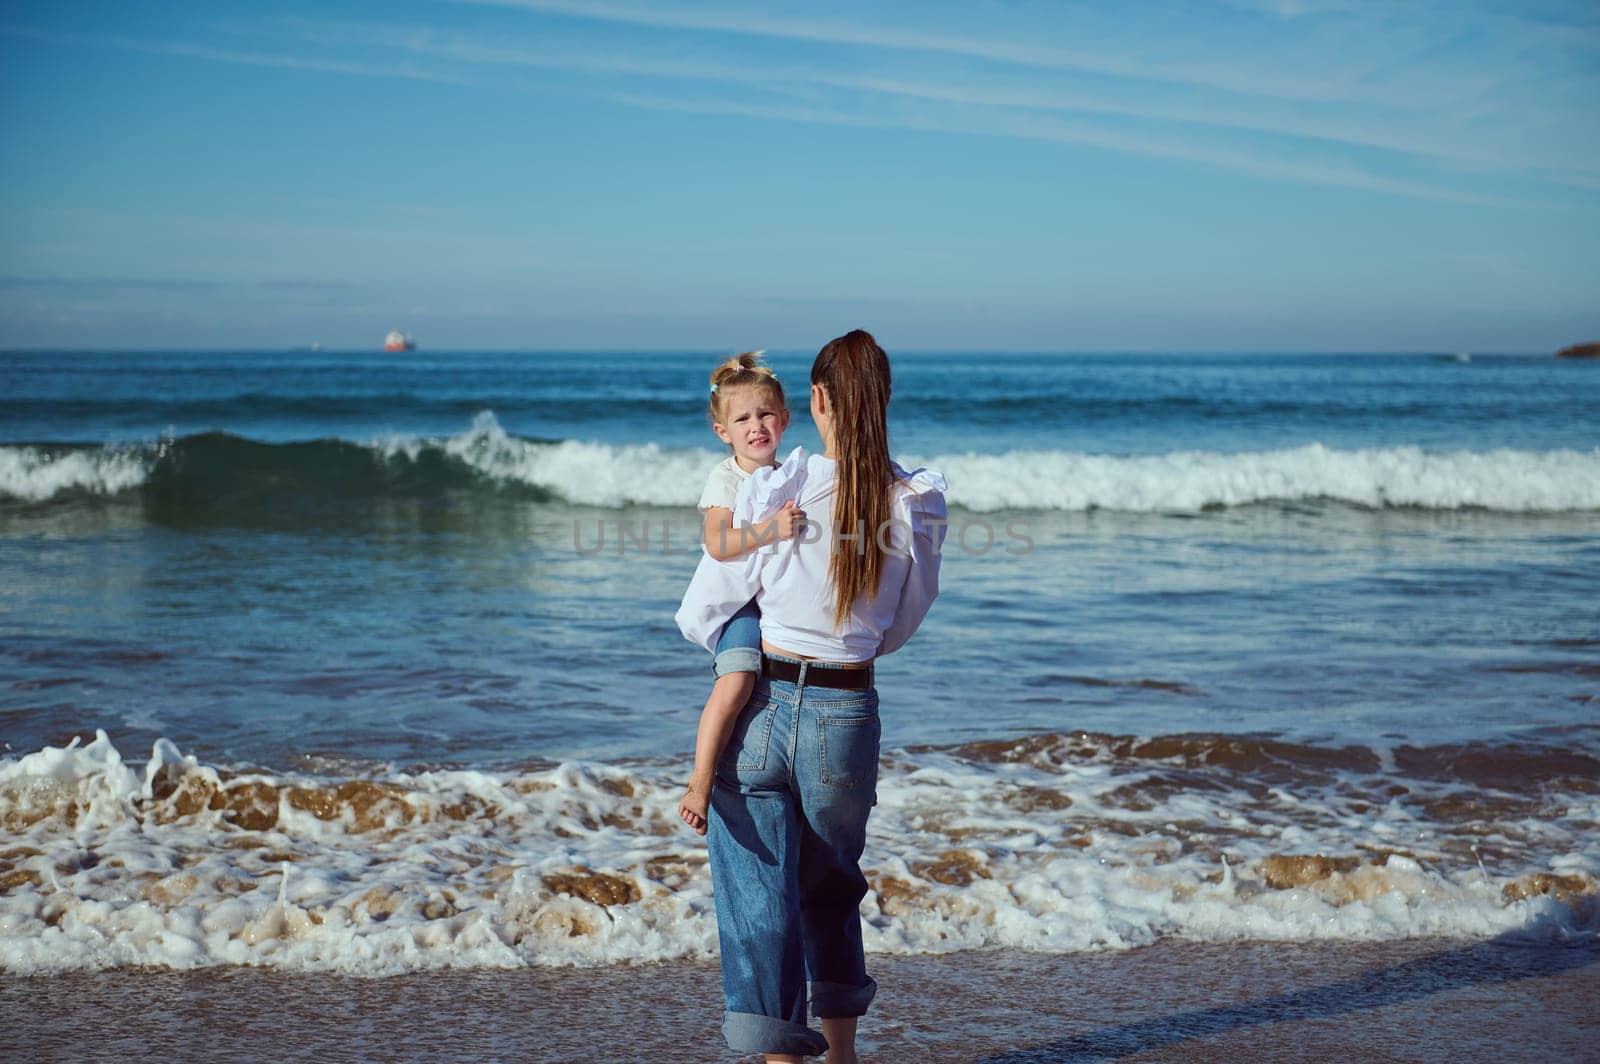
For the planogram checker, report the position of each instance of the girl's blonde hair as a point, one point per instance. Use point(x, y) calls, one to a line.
point(742, 369)
point(854, 372)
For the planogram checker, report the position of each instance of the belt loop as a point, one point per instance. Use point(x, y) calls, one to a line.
point(801, 682)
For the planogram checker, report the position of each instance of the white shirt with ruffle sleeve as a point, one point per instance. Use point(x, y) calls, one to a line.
point(790, 580)
point(723, 484)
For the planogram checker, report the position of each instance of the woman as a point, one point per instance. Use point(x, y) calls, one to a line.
point(797, 778)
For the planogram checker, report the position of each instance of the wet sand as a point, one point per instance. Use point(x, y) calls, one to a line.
point(1173, 1001)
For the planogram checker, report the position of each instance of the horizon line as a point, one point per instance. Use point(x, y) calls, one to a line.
point(713, 349)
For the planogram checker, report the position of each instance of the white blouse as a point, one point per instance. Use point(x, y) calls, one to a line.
point(790, 580)
point(723, 485)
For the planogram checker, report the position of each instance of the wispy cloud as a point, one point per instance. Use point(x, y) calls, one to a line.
point(174, 284)
point(1067, 133)
point(458, 49)
point(100, 283)
point(1578, 180)
point(1484, 89)
point(223, 55)
point(1344, 81)
point(1400, 135)
point(1242, 127)
point(822, 30)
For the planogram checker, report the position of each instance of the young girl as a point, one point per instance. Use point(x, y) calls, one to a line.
point(748, 414)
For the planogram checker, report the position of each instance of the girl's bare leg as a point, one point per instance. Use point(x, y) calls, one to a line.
point(727, 698)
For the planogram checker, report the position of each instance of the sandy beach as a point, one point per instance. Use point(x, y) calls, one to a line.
point(1414, 1000)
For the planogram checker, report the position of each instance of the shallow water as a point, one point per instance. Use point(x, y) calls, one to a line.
point(422, 638)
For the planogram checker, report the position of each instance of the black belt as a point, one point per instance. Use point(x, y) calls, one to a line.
point(817, 675)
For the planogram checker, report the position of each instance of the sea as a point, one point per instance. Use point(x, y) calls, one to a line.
point(365, 663)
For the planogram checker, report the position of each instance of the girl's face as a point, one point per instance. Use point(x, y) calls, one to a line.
point(752, 424)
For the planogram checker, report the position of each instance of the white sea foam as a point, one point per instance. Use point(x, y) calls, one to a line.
point(35, 474)
point(1516, 481)
point(187, 865)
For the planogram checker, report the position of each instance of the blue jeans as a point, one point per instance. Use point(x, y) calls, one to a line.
point(788, 824)
point(739, 646)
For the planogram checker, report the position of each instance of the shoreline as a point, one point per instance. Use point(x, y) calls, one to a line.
point(1412, 999)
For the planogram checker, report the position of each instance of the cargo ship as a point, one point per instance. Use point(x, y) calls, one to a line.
point(398, 341)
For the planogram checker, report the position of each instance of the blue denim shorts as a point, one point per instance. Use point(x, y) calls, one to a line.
point(739, 646)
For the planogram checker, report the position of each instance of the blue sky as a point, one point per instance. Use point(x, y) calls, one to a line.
point(1293, 175)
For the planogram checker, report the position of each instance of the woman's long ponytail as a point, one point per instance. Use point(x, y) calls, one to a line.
point(854, 372)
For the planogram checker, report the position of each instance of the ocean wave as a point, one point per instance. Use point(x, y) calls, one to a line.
point(589, 474)
point(1054, 843)
point(218, 470)
point(1189, 481)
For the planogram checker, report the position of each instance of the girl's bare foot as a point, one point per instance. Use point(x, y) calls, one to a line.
point(692, 808)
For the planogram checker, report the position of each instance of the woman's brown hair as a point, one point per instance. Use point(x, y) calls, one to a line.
point(854, 373)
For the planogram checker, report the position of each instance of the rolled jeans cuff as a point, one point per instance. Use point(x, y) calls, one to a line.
point(831, 1000)
point(751, 1032)
point(736, 659)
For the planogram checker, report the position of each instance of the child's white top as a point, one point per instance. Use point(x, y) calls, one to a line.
point(723, 485)
point(790, 580)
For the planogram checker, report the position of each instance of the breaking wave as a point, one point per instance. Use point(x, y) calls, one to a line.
point(219, 470)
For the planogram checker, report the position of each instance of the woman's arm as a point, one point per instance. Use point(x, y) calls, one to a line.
point(927, 516)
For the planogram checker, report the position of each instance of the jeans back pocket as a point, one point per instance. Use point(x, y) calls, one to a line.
point(847, 749)
point(752, 733)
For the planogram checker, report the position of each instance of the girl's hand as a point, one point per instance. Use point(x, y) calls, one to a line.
point(692, 809)
point(791, 520)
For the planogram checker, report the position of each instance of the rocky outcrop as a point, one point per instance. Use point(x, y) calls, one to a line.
point(1580, 351)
